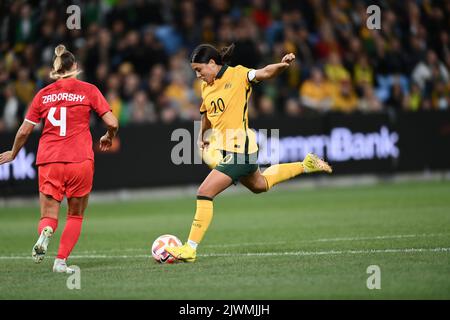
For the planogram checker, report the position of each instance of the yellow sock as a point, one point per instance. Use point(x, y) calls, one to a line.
point(202, 219)
point(281, 172)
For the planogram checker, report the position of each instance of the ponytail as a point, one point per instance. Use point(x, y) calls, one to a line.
point(57, 64)
point(226, 53)
point(62, 64)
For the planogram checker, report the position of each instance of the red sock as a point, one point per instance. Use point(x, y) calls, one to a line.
point(69, 236)
point(44, 222)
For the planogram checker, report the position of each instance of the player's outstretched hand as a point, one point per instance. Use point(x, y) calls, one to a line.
point(288, 58)
point(105, 142)
point(6, 157)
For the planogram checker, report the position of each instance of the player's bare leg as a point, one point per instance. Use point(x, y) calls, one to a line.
point(215, 183)
point(71, 233)
point(255, 182)
point(47, 225)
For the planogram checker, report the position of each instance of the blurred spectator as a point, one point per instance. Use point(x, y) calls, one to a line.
point(101, 76)
point(440, 96)
point(266, 107)
point(428, 70)
point(182, 97)
point(26, 26)
point(24, 86)
point(142, 111)
point(394, 60)
point(443, 47)
point(334, 69)
point(362, 73)
point(292, 108)
point(11, 110)
point(396, 97)
point(156, 82)
point(369, 101)
point(118, 106)
point(316, 93)
point(152, 50)
point(246, 51)
point(305, 53)
point(187, 24)
point(413, 101)
point(344, 97)
point(353, 53)
point(260, 13)
point(179, 64)
point(327, 42)
point(416, 49)
point(130, 87)
point(168, 113)
point(128, 48)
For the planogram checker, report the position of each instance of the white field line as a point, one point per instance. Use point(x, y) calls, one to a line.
point(247, 244)
point(104, 253)
point(330, 252)
point(385, 237)
point(258, 254)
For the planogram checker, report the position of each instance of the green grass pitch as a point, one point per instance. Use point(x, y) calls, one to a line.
point(286, 244)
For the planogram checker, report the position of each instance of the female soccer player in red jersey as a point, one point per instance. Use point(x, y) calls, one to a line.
point(65, 159)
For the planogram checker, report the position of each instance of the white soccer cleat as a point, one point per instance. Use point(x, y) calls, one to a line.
point(60, 266)
point(40, 248)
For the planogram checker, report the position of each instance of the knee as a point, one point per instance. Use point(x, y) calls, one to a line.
point(203, 192)
point(49, 214)
point(259, 188)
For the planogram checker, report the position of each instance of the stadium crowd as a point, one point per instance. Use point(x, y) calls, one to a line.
point(137, 53)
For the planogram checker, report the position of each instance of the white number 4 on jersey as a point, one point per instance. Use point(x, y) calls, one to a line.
point(58, 123)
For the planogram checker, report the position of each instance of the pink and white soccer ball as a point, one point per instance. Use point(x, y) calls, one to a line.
point(159, 252)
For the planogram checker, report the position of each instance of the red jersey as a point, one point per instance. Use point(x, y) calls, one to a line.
point(65, 106)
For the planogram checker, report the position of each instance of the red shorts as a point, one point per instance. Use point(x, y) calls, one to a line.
point(71, 179)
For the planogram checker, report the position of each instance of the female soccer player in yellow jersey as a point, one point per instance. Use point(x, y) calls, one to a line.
point(231, 149)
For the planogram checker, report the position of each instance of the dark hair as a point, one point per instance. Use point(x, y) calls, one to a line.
point(62, 63)
point(205, 52)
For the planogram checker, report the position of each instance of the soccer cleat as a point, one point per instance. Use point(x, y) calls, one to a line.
point(313, 163)
point(40, 248)
point(60, 266)
point(184, 253)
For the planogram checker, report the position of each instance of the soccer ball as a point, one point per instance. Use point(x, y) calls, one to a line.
point(211, 157)
point(159, 252)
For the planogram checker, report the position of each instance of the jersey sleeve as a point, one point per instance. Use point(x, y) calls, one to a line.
point(249, 75)
point(98, 102)
point(33, 115)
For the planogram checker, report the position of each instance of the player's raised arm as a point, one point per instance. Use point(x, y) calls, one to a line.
point(112, 127)
point(21, 138)
point(272, 70)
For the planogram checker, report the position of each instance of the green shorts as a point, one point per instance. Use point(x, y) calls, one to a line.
point(238, 165)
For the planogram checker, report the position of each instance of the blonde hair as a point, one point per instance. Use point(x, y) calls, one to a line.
point(63, 63)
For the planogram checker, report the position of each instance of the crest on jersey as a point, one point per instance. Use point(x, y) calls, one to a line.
point(227, 159)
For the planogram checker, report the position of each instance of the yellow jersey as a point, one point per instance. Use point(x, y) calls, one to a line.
point(225, 103)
